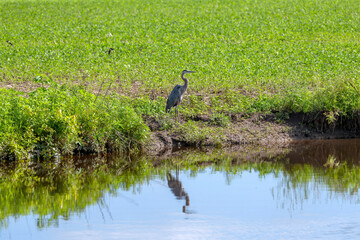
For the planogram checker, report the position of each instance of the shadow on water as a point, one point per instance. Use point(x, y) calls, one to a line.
point(64, 189)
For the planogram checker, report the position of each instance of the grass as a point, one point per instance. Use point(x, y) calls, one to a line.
point(249, 56)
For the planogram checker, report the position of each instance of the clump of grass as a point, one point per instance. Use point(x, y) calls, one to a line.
point(192, 133)
point(219, 119)
point(167, 121)
point(64, 119)
point(195, 133)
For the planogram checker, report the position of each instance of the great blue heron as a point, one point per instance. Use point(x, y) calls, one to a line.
point(177, 94)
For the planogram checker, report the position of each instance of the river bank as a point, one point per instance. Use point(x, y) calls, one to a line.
point(49, 119)
point(259, 129)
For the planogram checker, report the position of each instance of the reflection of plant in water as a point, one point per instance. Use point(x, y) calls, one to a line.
point(58, 190)
point(54, 190)
point(299, 181)
point(331, 162)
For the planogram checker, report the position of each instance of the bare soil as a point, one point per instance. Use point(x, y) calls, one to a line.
point(258, 129)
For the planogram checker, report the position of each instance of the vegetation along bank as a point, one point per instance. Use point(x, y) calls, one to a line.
point(93, 76)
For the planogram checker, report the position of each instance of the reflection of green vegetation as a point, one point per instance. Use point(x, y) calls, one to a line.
point(300, 181)
point(51, 191)
point(345, 178)
point(331, 162)
point(59, 190)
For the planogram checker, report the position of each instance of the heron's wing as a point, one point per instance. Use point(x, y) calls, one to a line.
point(174, 97)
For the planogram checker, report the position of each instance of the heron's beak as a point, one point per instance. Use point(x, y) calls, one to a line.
point(191, 71)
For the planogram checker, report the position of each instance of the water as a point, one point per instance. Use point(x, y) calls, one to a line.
point(294, 197)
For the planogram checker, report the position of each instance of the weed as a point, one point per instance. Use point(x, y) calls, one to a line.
point(167, 122)
point(219, 119)
point(331, 117)
point(196, 133)
point(192, 132)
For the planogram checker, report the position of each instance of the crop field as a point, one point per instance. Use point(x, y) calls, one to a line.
point(249, 56)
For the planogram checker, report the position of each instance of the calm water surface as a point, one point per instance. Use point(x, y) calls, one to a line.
point(294, 198)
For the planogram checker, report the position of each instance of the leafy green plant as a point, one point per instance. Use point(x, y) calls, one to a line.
point(66, 119)
point(331, 117)
point(219, 119)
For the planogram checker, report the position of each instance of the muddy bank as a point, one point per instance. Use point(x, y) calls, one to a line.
point(263, 130)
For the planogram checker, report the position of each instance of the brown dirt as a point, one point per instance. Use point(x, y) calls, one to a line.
point(25, 87)
point(261, 130)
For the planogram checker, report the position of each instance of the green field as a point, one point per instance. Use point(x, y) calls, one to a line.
point(242, 51)
point(249, 56)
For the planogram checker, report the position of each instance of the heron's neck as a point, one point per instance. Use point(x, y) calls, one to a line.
point(185, 80)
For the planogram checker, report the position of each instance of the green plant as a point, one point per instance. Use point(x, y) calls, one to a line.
point(250, 56)
point(167, 121)
point(192, 132)
point(331, 117)
point(219, 119)
point(63, 119)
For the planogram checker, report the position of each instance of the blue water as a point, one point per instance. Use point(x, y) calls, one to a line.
point(222, 206)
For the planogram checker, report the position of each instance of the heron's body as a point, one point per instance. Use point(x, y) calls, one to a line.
point(175, 97)
point(177, 94)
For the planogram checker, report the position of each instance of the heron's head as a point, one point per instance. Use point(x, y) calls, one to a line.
point(186, 71)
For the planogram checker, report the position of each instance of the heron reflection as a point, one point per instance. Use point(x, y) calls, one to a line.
point(178, 190)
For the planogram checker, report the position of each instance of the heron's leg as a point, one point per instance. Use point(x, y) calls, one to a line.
point(174, 108)
point(177, 113)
